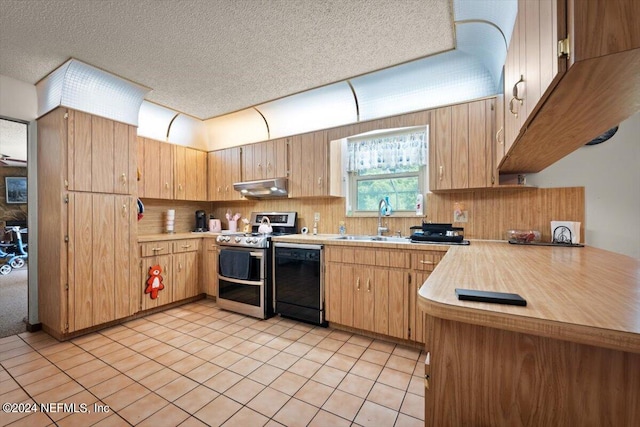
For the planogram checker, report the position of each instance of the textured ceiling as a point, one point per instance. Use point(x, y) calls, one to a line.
point(209, 58)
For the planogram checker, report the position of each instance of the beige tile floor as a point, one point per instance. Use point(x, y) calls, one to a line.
point(197, 365)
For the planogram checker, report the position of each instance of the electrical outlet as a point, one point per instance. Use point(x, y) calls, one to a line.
point(316, 217)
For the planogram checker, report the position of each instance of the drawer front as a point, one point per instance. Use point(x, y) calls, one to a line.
point(155, 249)
point(210, 245)
point(190, 245)
point(426, 260)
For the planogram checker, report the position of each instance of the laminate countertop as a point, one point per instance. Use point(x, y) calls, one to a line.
point(578, 294)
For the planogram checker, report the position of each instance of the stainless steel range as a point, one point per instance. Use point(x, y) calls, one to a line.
point(245, 265)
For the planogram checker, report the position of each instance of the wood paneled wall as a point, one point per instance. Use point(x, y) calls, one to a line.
point(490, 212)
point(153, 221)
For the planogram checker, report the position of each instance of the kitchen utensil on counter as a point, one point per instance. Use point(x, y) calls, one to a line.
point(265, 226)
point(438, 233)
point(201, 221)
point(215, 226)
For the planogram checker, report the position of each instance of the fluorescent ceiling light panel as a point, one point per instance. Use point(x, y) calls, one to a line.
point(242, 127)
point(154, 121)
point(85, 88)
point(320, 108)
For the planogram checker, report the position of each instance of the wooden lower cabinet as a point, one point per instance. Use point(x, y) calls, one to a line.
point(376, 290)
point(210, 268)
point(486, 376)
point(100, 259)
point(179, 261)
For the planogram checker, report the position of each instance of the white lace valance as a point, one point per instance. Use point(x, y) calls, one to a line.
point(388, 152)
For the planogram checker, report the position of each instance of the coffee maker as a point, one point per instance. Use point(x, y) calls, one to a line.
point(201, 222)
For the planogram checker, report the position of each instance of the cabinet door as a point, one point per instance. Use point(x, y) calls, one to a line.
point(308, 165)
point(481, 119)
point(80, 261)
point(231, 173)
point(214, 162)
point(398, 304)
point(79, 151)
point(124, 159)
point(179, 172)
point(100, 227)
point(185, 280)
point(140, 143)
point(333, 297)
point(459, 146)
point(275, 158)
point(417, 318)
point(350, 315)
point(377, 296)
point(210, 268)
point(248, 163)
point(151, 179)
point(440, 152)
point(165, 296)
point(201, 175)
point(164, 164)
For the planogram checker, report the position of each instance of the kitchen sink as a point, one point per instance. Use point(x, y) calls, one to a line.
point(389, 239)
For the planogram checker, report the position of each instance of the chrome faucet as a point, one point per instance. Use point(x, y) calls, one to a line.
point(382, 229)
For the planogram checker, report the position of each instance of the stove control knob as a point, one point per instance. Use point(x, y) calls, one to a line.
point(238, 239)
point(219, 238)
point(226, 238)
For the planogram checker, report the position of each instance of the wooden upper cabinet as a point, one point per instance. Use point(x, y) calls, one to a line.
point(223, 171)
point(461, 146)
point(309, 166)
point(190, 173)
point(156, 171)
point(578, 61)
point(265, 160)
point(101, 154)
point(532, 65)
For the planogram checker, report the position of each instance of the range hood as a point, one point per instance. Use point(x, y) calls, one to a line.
point(263, 189)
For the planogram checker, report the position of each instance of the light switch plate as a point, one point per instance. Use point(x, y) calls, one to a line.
point(461, 216)
point(316, 217)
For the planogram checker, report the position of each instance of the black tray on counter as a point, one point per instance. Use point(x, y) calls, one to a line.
point(568, 245)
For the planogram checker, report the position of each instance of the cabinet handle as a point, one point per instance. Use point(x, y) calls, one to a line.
point(186, 246)
point(124, 210)
point(498, 134)
point(179, 266)
point(157, 249)
point(441, 173)
point(515, 113)
point(268, 166)
point(259, 165)
point(179, 187)
point(426, 262)
point(219, 189)
point(124, 179)
point(319, 181)
point(368, 284)
point(358, 284)
point(515, 90)
point(226, 189)
point(166, 185)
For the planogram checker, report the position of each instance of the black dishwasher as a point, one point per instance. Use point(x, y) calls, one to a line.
point(298, 282)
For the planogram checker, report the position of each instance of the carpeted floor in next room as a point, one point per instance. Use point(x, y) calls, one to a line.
point(13, 302)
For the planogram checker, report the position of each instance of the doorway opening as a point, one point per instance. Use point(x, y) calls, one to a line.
point(14, 233)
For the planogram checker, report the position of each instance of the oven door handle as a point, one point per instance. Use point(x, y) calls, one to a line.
point(255, 254)
point(242, 282)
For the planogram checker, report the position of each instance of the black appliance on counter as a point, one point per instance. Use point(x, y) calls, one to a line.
point(438, 233)
point(245, 279)
point(201, 222)
point(298, 282)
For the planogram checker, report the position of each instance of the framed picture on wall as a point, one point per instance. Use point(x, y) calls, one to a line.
point(16, 189)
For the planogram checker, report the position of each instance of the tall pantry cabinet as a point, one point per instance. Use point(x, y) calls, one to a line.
point(86, 221)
